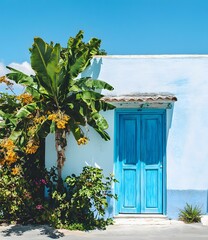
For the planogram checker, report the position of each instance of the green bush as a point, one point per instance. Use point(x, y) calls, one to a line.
point(80, 203)
point(20, 197)
point(190, 214)
point(83, 203)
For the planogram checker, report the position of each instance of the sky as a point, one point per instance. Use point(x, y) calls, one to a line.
point(124, 26)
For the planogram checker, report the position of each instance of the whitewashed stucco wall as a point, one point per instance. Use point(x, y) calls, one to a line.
point(97, 152)
point(187, 78)
point(187, 147)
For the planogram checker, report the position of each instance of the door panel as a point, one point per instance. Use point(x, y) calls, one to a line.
point(151, 188)
point(129, 188)
point(151, 163)
point(129, 164)
point(140, 154)
point(129, 140)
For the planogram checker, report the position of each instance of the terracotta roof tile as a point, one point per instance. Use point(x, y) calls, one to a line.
point(142, 97)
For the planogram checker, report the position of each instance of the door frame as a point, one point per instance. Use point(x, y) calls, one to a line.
point(142, 111)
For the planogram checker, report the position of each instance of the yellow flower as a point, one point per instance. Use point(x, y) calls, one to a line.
point(83, 141)
point(9, 155)
point(25, 98)
point(66, 117)
point(15, 171)
point(60, 119)
point(32, 147)
point(53, 117)
point(2, 79)
point(6, 81)
point(32, 130)
point(2, 162)
point(8, 144)
point(39, 119)
point(61, 124)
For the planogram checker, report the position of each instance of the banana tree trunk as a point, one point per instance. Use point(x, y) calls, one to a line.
point(61, 143)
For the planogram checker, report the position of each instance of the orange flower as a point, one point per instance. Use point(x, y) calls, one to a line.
point(53, 117)
point(61, 124)
point(6, 81)
point(8, 151)
point(65, 117)
point(15, 171)
point(32, 130)
point(8, 144)
point(60, 119)
point(25, 98)
point(39, 119)
point(11, 156)
point(82, 141)
point(32, 147)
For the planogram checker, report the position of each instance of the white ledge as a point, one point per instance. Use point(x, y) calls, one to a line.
point(165, 56)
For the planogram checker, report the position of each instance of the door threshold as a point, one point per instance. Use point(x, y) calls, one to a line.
point(141, 219)
point(133, 215)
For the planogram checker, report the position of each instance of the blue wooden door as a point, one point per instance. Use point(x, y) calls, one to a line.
point(140, 165)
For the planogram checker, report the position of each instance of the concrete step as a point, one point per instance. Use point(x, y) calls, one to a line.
point(126, 215)
point(142, 219)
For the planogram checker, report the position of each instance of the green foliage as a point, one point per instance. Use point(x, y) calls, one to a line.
point(83, 203)
point(20, 197)
point(79, 204)
point(55, 100)
point(8, 106)
point(190, 214)
point(56, 86)
point(102, 52)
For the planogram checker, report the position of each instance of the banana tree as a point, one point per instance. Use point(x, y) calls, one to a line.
point(56, 99)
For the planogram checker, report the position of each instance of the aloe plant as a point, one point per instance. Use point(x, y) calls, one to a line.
point(190, 214)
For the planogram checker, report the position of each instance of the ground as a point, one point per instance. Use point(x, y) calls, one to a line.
point(171, 230)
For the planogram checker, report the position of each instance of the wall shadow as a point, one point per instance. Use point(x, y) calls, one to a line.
point(93, 70)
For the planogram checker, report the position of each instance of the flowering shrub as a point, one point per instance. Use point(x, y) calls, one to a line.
point(15, 171)
point(7, 152)
point(60, 119)
point(79, 204)
point(32, 147)
point(18, 198)
point(25, 98)
point(22, 187)
point(55, 100)
point(83, 202)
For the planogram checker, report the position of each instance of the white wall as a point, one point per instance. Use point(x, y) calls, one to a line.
point(187, 149)
point(97, 152)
